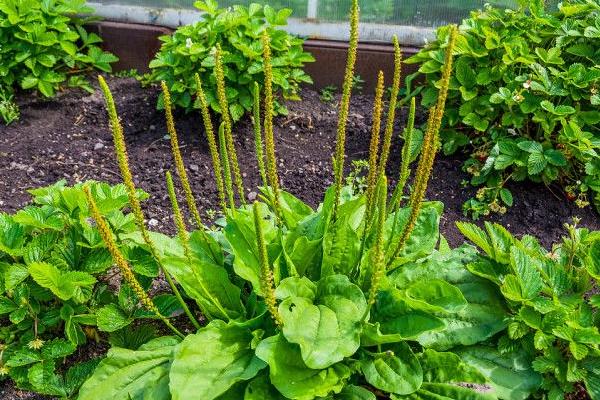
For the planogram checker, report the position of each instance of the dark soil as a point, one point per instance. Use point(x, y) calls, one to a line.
point(69, 138)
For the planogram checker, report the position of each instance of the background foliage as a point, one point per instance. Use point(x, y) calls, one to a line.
point(524, 99)
point(44, 45)
point(238, 30)
point(52, 297)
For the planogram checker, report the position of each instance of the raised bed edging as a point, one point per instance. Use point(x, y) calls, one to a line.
point(136, 45)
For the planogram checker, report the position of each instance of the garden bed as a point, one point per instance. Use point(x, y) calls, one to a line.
point(68, 138)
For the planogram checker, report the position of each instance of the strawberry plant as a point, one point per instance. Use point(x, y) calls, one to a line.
point(523, 99)
point(51, 298)
point(237, 30)
point(45, 46)
point(553, 321)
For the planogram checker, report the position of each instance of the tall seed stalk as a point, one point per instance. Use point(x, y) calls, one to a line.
point(184, 239)
point(338, 165)
point(406, 154)
point(272, 175)
point(378, 255)
point(126, 272)
point(430, 145)
point(266, 274)
point(179, 165)
point(391, 116)
point(258, 143)
point(226, 167)
point(224, 106)
point(372, 175)
point(134, 202)
point(212, 143)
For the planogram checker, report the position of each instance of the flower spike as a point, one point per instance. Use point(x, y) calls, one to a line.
point(126, 272)
point(258, 144)
point(212, 143)
point(134, 201)
point(266, 274)
point(374, 149)
point(344, 108)
point(179, 165)
point(391, 117)
point(272, 175)
point(406, 153)
point(223, 105)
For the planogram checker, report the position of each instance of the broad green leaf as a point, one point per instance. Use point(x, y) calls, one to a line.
point(441, 391)
point(208, 363)
point(292, 378)
point(485, 313)
point(510, 375)
point(445, 367)
point(395, 371)
point(260, 388)
point(205, 282)
point(352, 392)
point(296, 287)
point(133, 375)
point(394, 319)
point(423, 239)
point(341, 249)
point(328, 330)
point(437, 295)
point(241, 237)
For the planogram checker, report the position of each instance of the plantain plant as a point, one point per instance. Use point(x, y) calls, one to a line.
point(359, 297)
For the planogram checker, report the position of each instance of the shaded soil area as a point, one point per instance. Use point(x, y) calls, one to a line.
point(69, 138)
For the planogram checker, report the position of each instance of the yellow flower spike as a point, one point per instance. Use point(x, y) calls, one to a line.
point(266, 274)
point(420, 186)
point(445, 80)
point(180, 167)
point(391, 116)
point(258, 144)
point(212, 143)
point(268, 124)
point(226, 168)
point(405, 163)
point(378, 256)
point(344, 108)
point(184, 239)
point(374, 148)
point(126, 272)
point(222, 97)
point(430, 146)
point(134, 202)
